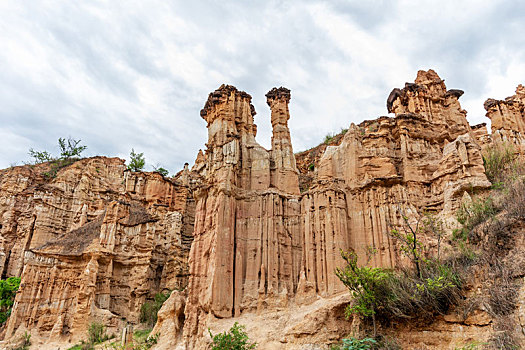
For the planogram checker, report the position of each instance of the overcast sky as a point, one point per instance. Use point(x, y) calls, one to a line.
point(135, 74)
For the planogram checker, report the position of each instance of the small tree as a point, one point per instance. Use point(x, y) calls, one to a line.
point(97, 333)
point(235, 339)
point(136, 161)
point(365, 284)
point(150, 309)
point(40, 157)
point(70, 148)
point(8, 289)
point(410, 244)
point(161, 170)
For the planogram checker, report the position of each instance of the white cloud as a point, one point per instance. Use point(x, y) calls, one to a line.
point(135, 74)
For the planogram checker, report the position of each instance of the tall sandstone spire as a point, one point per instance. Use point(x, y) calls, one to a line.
point(284, 170)
point(246, 248)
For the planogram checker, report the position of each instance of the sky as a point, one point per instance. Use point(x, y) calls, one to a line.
point(135, 74)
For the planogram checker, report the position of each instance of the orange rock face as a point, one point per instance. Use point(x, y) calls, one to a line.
point(96, 241)
point(508, 119)
point(91, 244)
point(260, 244)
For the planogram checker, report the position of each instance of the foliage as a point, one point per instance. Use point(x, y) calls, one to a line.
point(235, 339)
point(25, 342)
point(70, 148)
point(476, 212)
point(365, 284)
point(358, 344)
point(136, 161)
point(410, 244)
point(40, 156)
point(149, 310)
point(8, 289)
point(141, 341)
point(160, 170)
point(499, 159)
point(434, 226)
point(311, 167)
point(377, 343)
point(328, 138)
point(97, 333)
point(430, 287)
point(470, 346)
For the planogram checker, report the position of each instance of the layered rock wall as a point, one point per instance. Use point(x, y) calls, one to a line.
point(97, 241)
point(508, 119)
point(92, 244)
point(260, 244)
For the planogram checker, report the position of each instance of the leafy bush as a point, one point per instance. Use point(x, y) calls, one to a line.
point(235, 339)
point(97, 333)
point(136, 161)
point(70, 151)
point(328, 138)
point(358, 344)
point(70, 148)
point(40, 157)
point(366, 284)
point(477, 212)
point(150, 309)
point(498, 160)
point(8, 289)
point(161, 170)
point(428, 288)
point(377, 343)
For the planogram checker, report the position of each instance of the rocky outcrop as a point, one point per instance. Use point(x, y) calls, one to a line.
point(97, 241)
point(260, 244)
point(508, 119)
point(246, 240)
point(91, 244)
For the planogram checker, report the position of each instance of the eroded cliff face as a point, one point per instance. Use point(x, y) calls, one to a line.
point(91, 244)
point(508, 119)
point(246, 250)
point(261, 245)
point(97, 241)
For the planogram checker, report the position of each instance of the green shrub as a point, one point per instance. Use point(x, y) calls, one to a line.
point(136, 161)
point(70, 148)
point(97, 333)
point(366, 284)
point(70, 151)
point(358, 344)
point(8, 289)
point(311, 167)
point(149, 310)
point(477, 212)
point(40, 157)
point(380, 342)
point(498, 160)
point(161, 170)
point(235, 339)
point(328, 138)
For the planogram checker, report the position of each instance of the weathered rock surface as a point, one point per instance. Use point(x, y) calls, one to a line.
point(91, 244)
point(259, 244)
point(97, 241)
point(508, 119)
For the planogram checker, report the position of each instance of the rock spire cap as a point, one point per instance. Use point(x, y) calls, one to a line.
point(278, 93)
